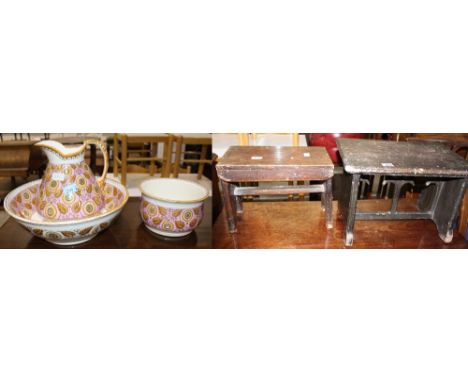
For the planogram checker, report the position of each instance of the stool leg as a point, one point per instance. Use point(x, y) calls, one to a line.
point(328, 195)
point(351, 208)
point(446, 210)
point(229, 205)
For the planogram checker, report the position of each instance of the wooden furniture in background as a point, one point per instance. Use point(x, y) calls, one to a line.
point(14, 159)
point(446, 174)
point(273, 164)
point(122, 159)
point(217, 200)
point(4, 137)
point(16, 136)
point(222, 141)
point(265, 139)
point(203, 140)
point(243, 139)
point(328, 140)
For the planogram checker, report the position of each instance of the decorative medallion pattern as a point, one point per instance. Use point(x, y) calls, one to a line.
point(69, 191)
point(170, 219)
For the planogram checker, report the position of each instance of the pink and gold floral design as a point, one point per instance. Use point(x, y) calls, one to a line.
point(25, 204)
point(172, 220)
point(69, 191)
point(22, 203)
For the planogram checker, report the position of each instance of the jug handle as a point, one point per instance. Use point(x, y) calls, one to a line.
point(103, 147)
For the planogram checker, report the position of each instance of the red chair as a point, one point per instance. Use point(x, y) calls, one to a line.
point(328, 140)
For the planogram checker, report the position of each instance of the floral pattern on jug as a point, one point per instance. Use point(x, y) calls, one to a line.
point(69, 189)
point(86, 199)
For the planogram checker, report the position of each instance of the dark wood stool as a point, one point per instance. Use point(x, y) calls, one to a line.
point(274, 164)
point(444, 172)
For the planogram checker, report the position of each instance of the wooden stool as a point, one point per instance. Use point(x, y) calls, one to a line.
point(272, 164)
point(445, 175)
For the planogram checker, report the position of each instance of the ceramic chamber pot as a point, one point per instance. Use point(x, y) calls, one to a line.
point(21, 204)
point(172, 207)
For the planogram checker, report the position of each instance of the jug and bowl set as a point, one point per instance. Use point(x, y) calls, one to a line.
point(70, 206)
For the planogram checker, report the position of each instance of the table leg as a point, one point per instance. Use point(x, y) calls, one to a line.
point(328, 202)
point(229, 205)
point(348, 204)
point(446, 211)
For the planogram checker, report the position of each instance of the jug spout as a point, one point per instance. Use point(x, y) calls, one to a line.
point(57, 153)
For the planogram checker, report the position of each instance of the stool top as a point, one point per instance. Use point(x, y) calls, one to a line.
point(275, 163)
point(366, 156)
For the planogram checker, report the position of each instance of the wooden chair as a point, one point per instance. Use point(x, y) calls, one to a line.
point(204, 140)
point(121, 146)
point(17, 136)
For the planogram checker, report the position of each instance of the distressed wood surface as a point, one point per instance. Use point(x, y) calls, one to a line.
point(301, 224)
point(400, 158)
point(270, 163)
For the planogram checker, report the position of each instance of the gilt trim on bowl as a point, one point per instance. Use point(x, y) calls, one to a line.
point(18, 204)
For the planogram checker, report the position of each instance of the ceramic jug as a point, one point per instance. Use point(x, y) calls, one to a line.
point(69, 189)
